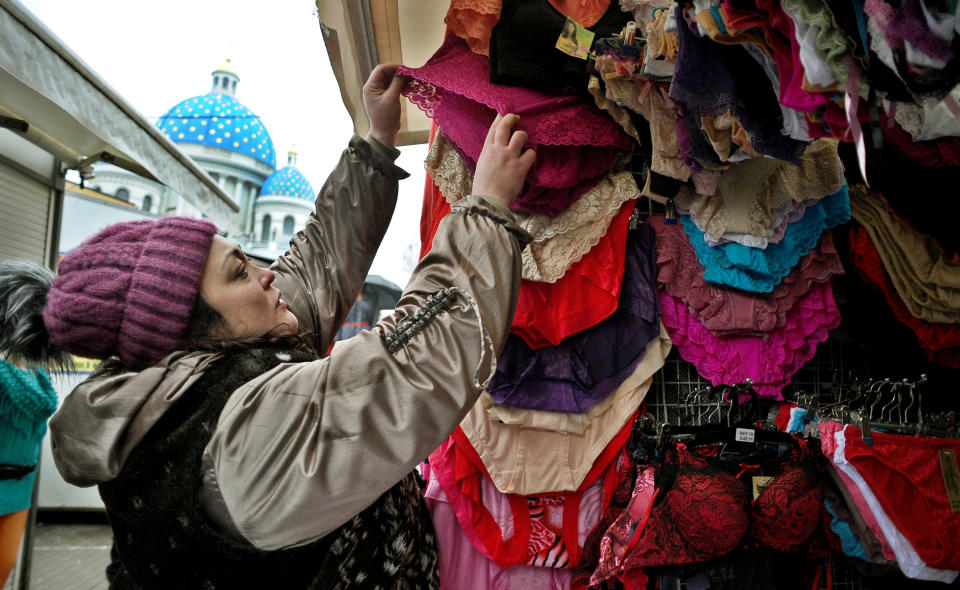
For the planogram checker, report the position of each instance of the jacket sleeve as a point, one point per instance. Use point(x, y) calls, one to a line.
point(305, 447)
point(323, 271)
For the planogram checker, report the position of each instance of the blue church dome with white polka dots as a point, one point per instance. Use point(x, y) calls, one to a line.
point(218, 119)
point(288, 182)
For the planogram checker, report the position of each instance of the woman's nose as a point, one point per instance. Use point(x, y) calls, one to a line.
point(267, 277)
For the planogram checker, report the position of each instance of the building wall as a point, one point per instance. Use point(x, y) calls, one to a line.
point(110, 179)
point(278, 208)
point(30, 199)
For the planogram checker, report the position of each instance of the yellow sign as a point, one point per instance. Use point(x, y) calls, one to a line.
point(84, 365)
point(575, 39)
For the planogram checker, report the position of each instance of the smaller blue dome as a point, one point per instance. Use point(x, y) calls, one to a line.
point(288, 182)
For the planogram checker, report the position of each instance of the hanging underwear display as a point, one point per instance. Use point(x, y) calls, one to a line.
point(589, 365)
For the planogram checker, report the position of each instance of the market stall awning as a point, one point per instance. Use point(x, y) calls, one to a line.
point(49, 96)
point(361, 34)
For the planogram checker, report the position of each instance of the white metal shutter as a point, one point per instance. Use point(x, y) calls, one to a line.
point(24, 211)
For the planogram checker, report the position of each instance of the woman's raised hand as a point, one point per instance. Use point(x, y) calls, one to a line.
point(381, 99)
point(503, 163)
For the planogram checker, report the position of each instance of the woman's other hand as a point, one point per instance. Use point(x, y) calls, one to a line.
point(381, 99)
point(503, 163)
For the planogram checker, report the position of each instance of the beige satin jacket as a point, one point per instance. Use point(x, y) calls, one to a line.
point(303, 448)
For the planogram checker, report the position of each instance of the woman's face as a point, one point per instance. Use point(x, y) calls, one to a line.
point(569, 28)
point(243, 294)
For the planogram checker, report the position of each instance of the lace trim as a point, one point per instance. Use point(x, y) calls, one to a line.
point(770, 362)
point(448, 170)
point(558, 242)
point(548, 260)
point(758, 270)
point(728, 312)
point(472, 21)
point(925, 122)
point(735, 208)
point(909, 115)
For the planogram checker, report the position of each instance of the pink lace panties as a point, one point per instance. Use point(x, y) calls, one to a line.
point(771, 361)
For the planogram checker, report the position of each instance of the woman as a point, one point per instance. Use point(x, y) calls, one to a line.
point(227, 452)
point(567, 42)
point(27, 398)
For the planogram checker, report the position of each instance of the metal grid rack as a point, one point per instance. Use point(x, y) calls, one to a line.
point(667, 399)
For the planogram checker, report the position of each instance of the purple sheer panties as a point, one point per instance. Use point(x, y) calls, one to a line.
point(711, 78)
point(588, 366)
point(576, 143)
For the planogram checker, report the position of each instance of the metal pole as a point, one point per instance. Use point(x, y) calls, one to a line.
point(21, 580)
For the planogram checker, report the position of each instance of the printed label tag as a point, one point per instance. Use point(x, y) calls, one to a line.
point(760, 482)
point(575, 39)
point(951, 477)
point(745, 435)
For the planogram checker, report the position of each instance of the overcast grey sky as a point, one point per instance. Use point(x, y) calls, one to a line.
point(157, 54)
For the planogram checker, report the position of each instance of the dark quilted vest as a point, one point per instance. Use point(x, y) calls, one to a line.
point(165, 541)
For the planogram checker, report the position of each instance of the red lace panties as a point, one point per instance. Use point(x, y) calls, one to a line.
point(543, 530)
point(904, 473)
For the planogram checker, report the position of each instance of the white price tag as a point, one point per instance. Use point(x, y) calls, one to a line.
point(745, 435)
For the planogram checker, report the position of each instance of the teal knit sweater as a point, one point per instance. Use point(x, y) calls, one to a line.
point(27, 399)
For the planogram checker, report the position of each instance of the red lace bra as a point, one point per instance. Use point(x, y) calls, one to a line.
point(701, 512)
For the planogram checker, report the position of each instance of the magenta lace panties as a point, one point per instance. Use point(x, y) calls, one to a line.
point(576, 143)
point(771, 361)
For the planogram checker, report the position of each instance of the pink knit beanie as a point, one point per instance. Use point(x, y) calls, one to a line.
point(129, 289)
